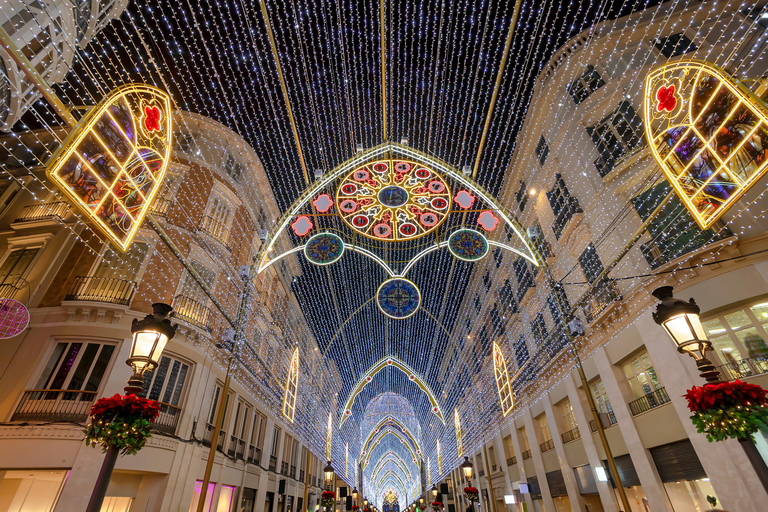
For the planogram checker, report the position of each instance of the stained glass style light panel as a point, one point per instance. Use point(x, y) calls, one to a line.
point(506, 399)
point(291, 387)
point(708, 133)
point(112, 164)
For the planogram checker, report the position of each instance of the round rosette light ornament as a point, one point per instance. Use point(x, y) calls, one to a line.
point(14, 318)
point(324, 249)
point(122, 422)
point(328, 499)
point(471, 493)
point(398, 298)
point(728, 410)
point(468, 245)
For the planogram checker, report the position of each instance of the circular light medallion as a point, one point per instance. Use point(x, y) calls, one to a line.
point(324, 248)
point(468, 244)
point(398, 298)
point(14, 318)
point(402, 200)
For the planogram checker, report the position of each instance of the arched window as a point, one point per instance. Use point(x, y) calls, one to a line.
point(291, 387)
point(506, 399)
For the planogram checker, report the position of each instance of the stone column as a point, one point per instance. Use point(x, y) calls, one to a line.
point(261, 491)
point(538, 461)
point(517, 445)
point(574, 496)
point(583, 414)
point(501, 454)
point(641, 459)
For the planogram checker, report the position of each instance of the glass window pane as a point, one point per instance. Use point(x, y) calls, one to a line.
point(179, 385)
point(66, 365)
point(753, 342)
point(713, 327)
point(159, 380)
point(100, 367)
point(171, 381)
point(726, 349)
point(738, 320)
point(761, 311)
point(53, 362)
point(78, 377)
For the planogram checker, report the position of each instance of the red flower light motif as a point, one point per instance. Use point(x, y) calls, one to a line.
point(666, 98)
point(152, 119)
point(488, 220)
point(464, 199)
point(323, 203)
point(302, 225)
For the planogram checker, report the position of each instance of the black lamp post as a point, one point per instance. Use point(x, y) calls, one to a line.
point(329, 471)
point(149, 337)
point(681, 321)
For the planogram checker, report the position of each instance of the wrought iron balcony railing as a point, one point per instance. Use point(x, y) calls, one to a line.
point(272, 462)
point(236, 447)
point(571, 435)
point(570, 209)
point(43, 211)
point(649, 401)
point(607, 419)
point(547, 445)
point(51, 405)
point(601, 295)
point(254, 454)
point(191, 311)
point(293, 471)
point(526, 454)
point(744, 368)
point(216, 228)
point(168, 419)
point(161, 206)
point(102, 289)
point(512, 461)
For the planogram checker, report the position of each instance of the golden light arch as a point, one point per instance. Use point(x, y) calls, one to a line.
point(390, 457)
point(390, 419)
point(291, 387)
point(506, 397)
point(394, 362)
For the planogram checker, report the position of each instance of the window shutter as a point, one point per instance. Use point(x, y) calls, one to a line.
point(677, 461)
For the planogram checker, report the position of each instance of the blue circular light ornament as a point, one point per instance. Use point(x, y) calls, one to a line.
point(468, 245)
point(324, 249)
point(398, 298)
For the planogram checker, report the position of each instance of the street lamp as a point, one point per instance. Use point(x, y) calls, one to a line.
point(434, 492)
point(365, 503)
point(466, 468)
point(354, 494)
point(681, 321)
point(328, 475)
point(150, 336)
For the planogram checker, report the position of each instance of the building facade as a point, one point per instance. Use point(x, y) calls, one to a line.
point(82, 297)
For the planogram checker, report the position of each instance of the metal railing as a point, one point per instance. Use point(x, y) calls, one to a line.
point(102, 289)
point(526, 454)
point(649, 401)
point(284, 468)
point(161, 206)
point(8, 291)
point(191, 311)
point(608, 419)
point(547, 445)
point(43, 211)
point(236, 447)
point(215, 228)
point(168, 419)
point(740, 369)
point(54, 405)
point(208, 437)
point(293, 472)
point(601, 295)
point(512, 461)
point(272, 462)
point(254, 454)
point(570, 209)
point(571, 435)
point(301, 475)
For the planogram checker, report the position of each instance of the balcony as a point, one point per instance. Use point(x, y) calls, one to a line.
point(740, 369)
point(677, 239)
point(567, 212)
point(9, 290)
point(601, 295)
point(272, 462)
point(168, 419)
point(193, 312)
point(102, 289)
point(512, 461)
point(547, 445)
point(301, 475)
point(571, 435)
point(284, 468)
point(293, 472)
point(608, 419)
point(43, 212)
point(254, 455)
point(526, 454)
point(236, 447)
point(649, 401)
point(215, 228)
point(51, 405)
point(208, 437)
point(161, 206)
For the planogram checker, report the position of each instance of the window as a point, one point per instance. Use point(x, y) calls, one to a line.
point(76, 366)
point(522, 196)
point(521, 352)
point(498, 256)
point(543, 425)
point(641, 375)
point(497, 321)
point(539, 329)
point(218, 218)
point(590, 263)
point(478, 304)
point(524, 278)
point(601, 398)
point(675, 45)
point(275, 440)
point(233, 167)
point(563, 205)
point(191, 289)
point(585, 85)
point(214, 405)
point(487, 280)
point(506, 400)
point(15, 268)
point(34, 490)
point(185, 142)
point(537, 240)
point(507, 298)
point(558, 304)
point(166, 382)
point(116, 265)
point(739, 339)
point(618, 133)
point(542, 150)
point(566, 413)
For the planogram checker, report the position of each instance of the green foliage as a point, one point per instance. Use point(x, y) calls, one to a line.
point(738, 422)
point(126, 434)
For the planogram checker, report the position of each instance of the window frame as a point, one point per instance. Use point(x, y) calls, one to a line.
point(36, 375)
point(585, 85)
point(163, 389)
point(611, 151)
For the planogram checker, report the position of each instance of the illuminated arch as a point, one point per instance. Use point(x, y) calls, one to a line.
point(389, 474)
point(395, 459)
point(459, 444)
point(390, 419)
point(265, 259)
point(291, 387)
point(506, 398)
point(388, 432)
point(376, 368)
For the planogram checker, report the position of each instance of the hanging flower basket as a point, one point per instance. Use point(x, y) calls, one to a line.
point(328, 500)
point(437, 505)
point(355, 507)
point(728, 409)
point(471, 493)
point(122, 422)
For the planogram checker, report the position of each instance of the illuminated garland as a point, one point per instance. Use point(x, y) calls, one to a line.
point(726, 410)
point(122, 422)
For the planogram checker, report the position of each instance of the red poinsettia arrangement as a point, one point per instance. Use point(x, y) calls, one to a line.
point(471, 493)
point(437, 505)
point(122, 422)
point(728, 409)
point(328, 499)
point(355, 507)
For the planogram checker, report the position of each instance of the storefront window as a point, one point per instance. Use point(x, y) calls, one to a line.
point(32, 490)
